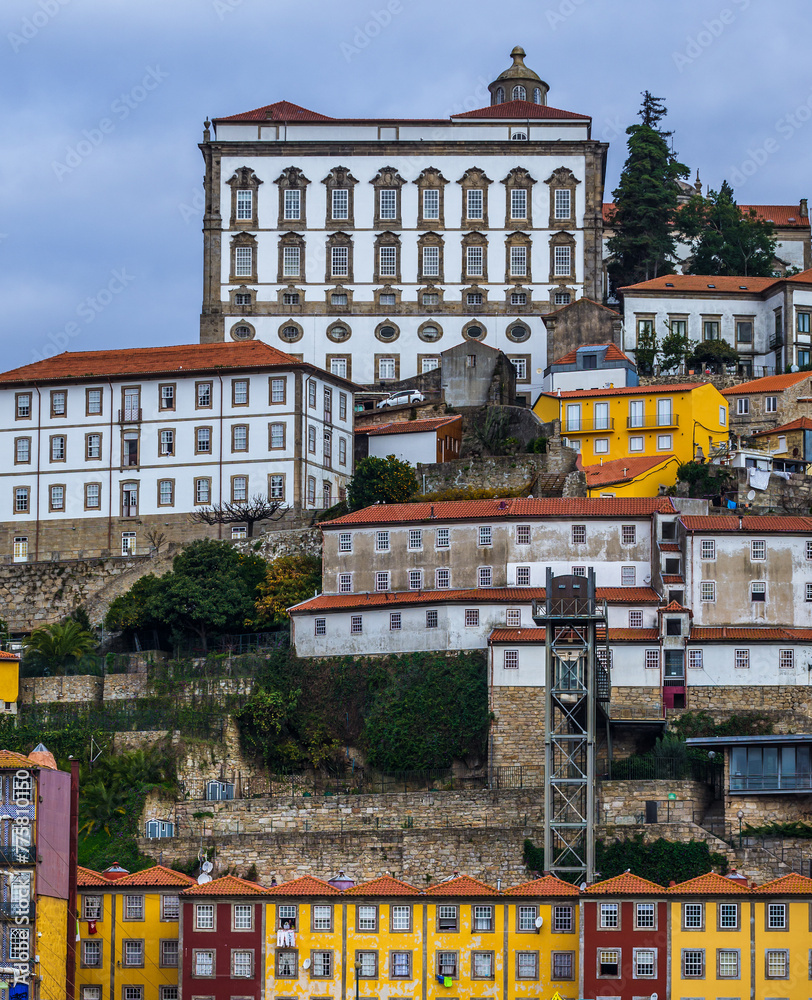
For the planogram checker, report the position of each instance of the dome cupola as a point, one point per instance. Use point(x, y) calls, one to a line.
point(518, 83)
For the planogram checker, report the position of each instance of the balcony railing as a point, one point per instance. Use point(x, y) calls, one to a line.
point(674, 682)
point(771, 783)
point(658, 420)
point(588, 426)
point(130, 415)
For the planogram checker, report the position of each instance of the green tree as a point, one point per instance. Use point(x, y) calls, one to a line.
point(643, 245)
point(647, 349)
point(210, 590)
point(275, 727)
point(724, 239)
point(674, 349)
point(381, 480)
point(661, 861)
point(288, 580)
point(59, 646)
point(713, 354)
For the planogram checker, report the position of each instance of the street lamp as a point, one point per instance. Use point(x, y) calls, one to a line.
point(740, 814)
point(357, 973)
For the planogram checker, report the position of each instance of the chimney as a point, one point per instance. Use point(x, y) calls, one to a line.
point(804, 207)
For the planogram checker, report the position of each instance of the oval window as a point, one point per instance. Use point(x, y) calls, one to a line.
point(290, 333)
point(387, 333)
point(338, 334)
point(474, 332)
point(518, 333)
point(430, 333)
point(241, 333)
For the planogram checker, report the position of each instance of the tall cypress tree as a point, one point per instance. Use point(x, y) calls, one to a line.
point(724, 239)
point(643, 246)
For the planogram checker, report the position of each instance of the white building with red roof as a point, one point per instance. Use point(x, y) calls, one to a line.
point(368, 245)
point(100, 448)
point(767, 320)
point(434, 439)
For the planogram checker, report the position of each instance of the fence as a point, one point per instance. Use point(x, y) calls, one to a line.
point(663, 768)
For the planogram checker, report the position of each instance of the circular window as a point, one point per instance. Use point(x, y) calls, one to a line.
point(387, 333)
point(242, 331)
point(474, 332)
point(290, 333)
point(518, 334)
point(338, 333)
point(430, 332)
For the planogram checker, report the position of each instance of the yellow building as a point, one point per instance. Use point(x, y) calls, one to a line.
point(710, 919)
point(651, 429)
point(457, 938)
point(128, 930)
point(782, 938)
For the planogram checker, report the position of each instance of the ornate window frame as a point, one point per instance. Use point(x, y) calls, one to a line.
point(474, 288)
point(387, 289)
point(473, 323)
point(284, 325)
point(560, 289)
point(519, 287)
point(430, 178)
point(429, 288)
point(337, 289)
point(239, 323)
point(290, 289)
point(562, 239)
point(519, 240)
point(243, 240)
point(292, 178)
point(292, 240)
point(243, 179)
point(431, 239)
point(381, 325)
point(387, 239)
point(334, 326)
point(519, 178)
point(339, 239)
point(474, 177)
point(340, 178)
point(428, 340)
point(512, 326)
point(562, 179)
point(241, 307)
point(388, 177)
point(474, 239)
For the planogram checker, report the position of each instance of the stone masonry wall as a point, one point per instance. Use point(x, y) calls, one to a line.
point(789, 706)
point(291, 542)
point(508, 472)
point(517, 730)
point(622, 803)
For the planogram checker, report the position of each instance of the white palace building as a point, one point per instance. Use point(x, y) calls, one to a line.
point(367, 246)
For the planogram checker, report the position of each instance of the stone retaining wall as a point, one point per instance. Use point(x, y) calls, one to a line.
point(622, 803)
point(507, 472)
point(517, 730)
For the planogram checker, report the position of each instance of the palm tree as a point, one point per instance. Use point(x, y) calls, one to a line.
point(56, 644)
point(99, 805)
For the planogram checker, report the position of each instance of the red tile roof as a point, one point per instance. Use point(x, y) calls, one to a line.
point(188, 358)
point(411, 426)
point(770, 383)
point(10, 758)
point(86, 876)
point(307, 885)
point(489, 595)
point(710, 283)
point(669, 547)
point(281, 111)
point(674, 605)
point(788, 885)
point(520, 111)
point(157, 875)
point(710, 884)
point(228, 885)
point(385, 885)
point(519, 636)
point(549, 885)
point(613, 353)
point(752, 634)
point(626, 884)
point(624, 470)
point(781, 215)
point(673, 580)
point(801, 424)
point(462, 885)
point(626, 390)
point(512, 507)
point(713, 523)
point(8, 656)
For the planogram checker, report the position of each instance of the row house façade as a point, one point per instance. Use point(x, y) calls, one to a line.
point(101, 448)
point(696, 603)
point(625, 937)
point(369, 244)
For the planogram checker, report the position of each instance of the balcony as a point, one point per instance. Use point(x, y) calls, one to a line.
point(589, 426)
point(130, 415)
point(771, 783)
point(659, 420)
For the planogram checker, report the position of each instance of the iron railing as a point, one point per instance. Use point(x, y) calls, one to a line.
point(658, 420)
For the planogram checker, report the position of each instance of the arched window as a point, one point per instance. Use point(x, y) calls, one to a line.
point(519, 93)
point(537, 95)
point(500, 95)
point(519, 136)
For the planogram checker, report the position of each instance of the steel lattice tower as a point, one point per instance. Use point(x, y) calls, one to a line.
point(576, 681)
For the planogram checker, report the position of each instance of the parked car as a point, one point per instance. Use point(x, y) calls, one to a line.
point(402, 398)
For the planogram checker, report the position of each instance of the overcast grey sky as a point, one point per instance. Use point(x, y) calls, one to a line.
point(104, 100)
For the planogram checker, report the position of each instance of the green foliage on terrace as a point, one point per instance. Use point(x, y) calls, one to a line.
point(803, 831)
point(702, 723)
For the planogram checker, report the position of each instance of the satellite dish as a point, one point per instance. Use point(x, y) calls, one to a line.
point(795, 368)
point(751, 495)
point(539, 922)
point(207, 866)
point(306, 963)
point(203, 878)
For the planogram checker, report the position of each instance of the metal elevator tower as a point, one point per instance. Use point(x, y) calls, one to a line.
point(577, 685)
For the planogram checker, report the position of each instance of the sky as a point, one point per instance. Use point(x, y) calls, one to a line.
point(102, 104)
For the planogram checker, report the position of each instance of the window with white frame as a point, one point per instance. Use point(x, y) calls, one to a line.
point(448, 917)
point(388, 261)
point(485, 576)
point(415, 539)
point(518, 261)
point(635, 619)
point(474, 203)
point(382, 581)
point(522, 534)
point(442, 579)
point(628, 534)
point(322, 965)
point(431, 203)
point(777, 963)
point(644, 963)
point(562, 259)
point(133, 993)
point(513, 618)
point(770, 404)
point(579, 570)
point(401, 965)
point(91, 954)
point(386, 368)
point(786, 659)
point(474, 261)
point(367, 918)
point(777, 916)
point(387, 203)
point(652, 659)
point(471, 617)
point(728, 960)
point(758, 592)
point(286, 965)
point(695, 659)
point(415, 579)
point(483, 918)
point(244, 262)
point(511, 661)
point(447, 963)
point(578, 534)
point(808, 592)
point(356, 624)
point(527, 965)
point(339, 261)
point(95, 993)
point(527, 918)
point(133, 907)
point(204, 916)
point(628, 576)
point(693, 915)
point(395, 621)
point(610, 913)
point(245, 205)
point(522, 576)
point(431, 262)
point(520, 365)
point(693, 963)
point(277, 488)
point(608, 963)
point(320, 626)
point(381, 541)
point(707, 591)
point(741, 659)
point(169, 954)
point(645, 915)
point(345, 541)
point(340, 203)
point(443, 539)
point(563, 918)
point(482, 964)
point(485, 535)
point(291, 261)
point(518, 203)
point(563, 203)
point(758, 549)
point(133, 953)
point(635, 444)
point(728, 915)
point(432, 619)
point(743, 406)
